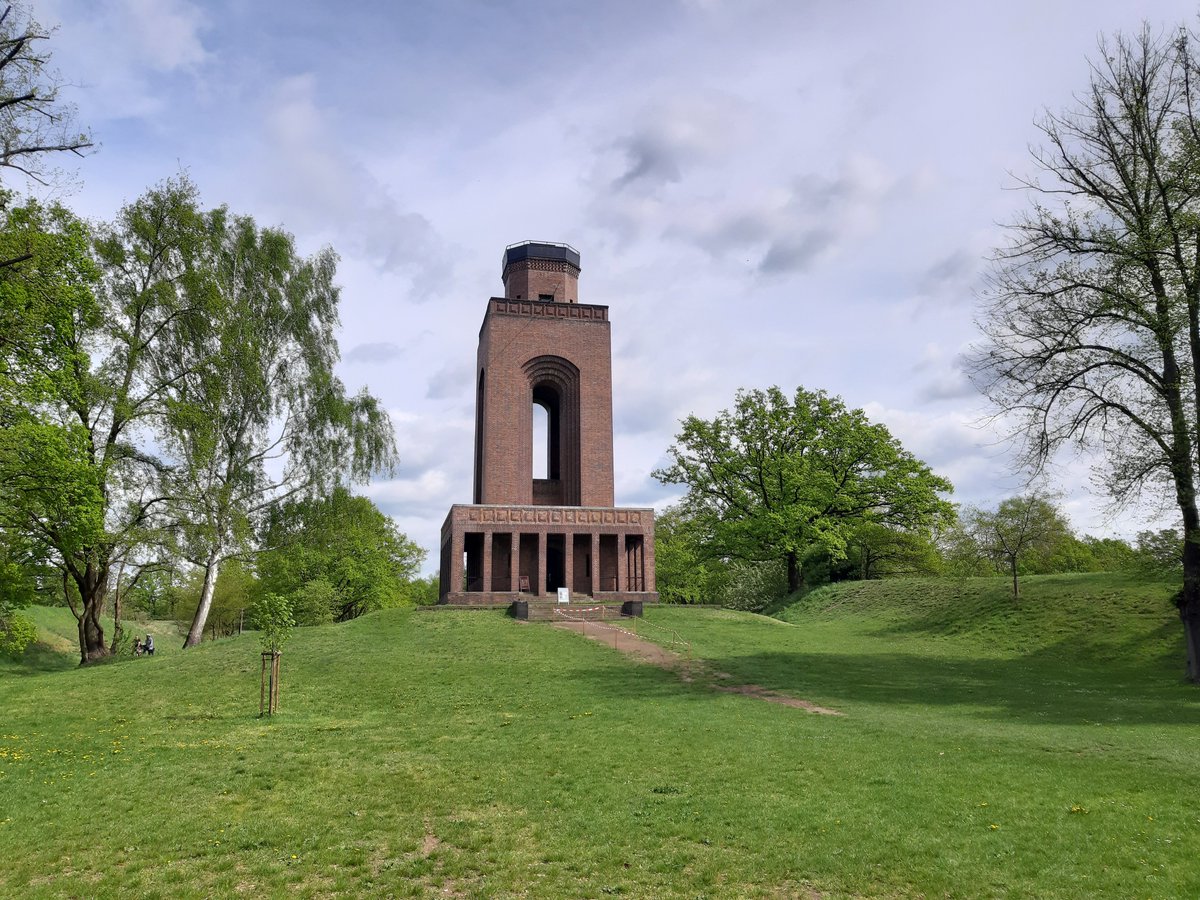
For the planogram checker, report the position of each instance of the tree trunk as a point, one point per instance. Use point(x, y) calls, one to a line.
point(1016, 591)
point(1189, 597)
point(196, 632)
point(793, 572)
point(93, 591)
point(118, 629)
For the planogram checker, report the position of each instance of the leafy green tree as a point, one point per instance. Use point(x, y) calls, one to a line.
point(18, 589)
point(1158, 552)
point(72, 393)
point(336, 557)
point(880, 551)
point(753, 586)
point(272, 616)
point(156, 593)
point(1112, 554)
point(253, 411)
point(776, 477)
point(1093, 323)
point(423, 591)
point(685, 570)
point(1024, 530)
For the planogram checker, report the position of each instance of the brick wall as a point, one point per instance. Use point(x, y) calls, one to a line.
point(531, 279)
point(513, 335)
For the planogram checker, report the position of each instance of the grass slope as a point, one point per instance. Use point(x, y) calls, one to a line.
point(1045, 751)
point(57, 645)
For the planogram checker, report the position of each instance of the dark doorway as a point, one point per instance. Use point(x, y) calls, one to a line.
point(608, 562)
point(473, 564)
point(502, 562)
point(556, 570)
point(528, 579)
point(581, 564)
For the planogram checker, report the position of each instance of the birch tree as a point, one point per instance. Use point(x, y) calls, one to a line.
point(254, 413)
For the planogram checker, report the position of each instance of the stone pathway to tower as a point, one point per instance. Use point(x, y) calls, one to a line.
point(688, 670)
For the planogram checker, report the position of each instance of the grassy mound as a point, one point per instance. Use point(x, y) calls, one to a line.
point(1090, 617)
point(465, 754)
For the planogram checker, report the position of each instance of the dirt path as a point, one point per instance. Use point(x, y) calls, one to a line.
point(688, 670)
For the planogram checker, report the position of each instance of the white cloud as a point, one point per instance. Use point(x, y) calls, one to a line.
point(118, 53)
point(318, 183)
point(166, 33)
point(794, 194)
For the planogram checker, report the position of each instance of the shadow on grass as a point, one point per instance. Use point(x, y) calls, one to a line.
point(39, 659)
point(1043, 687)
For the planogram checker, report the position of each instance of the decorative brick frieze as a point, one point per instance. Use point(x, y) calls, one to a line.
point(501, 306)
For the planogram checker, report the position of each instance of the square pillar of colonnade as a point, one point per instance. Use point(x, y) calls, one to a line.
point(538, 586)
point(622, 565)
point(569, 561)
point(514, 562)
point(456, 560)
point(595, 563)
point(487, 562)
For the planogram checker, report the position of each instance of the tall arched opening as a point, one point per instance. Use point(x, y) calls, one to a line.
point(554, 387)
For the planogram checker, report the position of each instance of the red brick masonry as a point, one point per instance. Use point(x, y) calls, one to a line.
point(526, 536)
point(513, 551)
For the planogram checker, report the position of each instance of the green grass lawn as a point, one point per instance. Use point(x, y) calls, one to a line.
point(1047, 750)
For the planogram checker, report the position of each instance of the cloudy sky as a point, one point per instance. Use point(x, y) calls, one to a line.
point(763, 191)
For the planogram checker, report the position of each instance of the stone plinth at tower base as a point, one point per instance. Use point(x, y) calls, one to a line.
point(495, 554)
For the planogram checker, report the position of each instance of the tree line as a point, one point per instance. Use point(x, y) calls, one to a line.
point(169, 405)
point(171, 425)
point(785, 494)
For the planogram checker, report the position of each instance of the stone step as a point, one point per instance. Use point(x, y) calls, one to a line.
point(546, 611)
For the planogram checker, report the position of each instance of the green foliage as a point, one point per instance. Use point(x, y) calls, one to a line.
point(272, 616)
point(880, 551)
point(151, 377)
point(1109, 555)
point(235, 592)
point(16, 631)
point(1022, 535)
point(685, 570)
point(314, 602)
point(754, 586)
point(251, 381)
point(1160, 552)
point(122, 645)
point(776, 478)
point(157, 594)
point(63, 413)
point(18, 570)
point(47, 303)
point(337, 557)
point(422, 591)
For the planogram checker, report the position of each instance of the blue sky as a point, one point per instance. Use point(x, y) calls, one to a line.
point(762, 192)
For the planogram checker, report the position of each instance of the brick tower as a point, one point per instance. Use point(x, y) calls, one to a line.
point(524, 537)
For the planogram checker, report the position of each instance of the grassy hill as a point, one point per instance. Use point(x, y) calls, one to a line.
point(1046, 750)
point(57, 646)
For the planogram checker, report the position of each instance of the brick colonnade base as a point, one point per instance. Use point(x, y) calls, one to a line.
point(619, 564)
